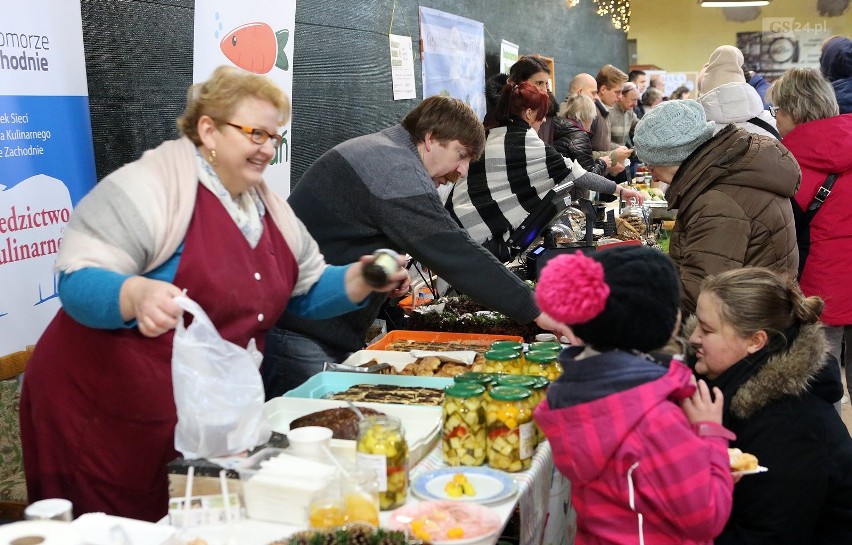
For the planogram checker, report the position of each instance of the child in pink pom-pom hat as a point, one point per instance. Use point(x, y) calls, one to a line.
point(641, 442)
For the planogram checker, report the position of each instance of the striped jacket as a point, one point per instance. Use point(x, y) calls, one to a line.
point(639, 472)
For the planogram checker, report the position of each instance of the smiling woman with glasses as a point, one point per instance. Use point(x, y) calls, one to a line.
point(258, 136)
point(193, 215)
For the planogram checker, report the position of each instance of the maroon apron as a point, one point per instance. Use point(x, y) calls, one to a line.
point(97, 408)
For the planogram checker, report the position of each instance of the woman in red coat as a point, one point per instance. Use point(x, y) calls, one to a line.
point(821, 141)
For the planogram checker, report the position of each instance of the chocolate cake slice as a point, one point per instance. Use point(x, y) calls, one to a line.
point(342, 421)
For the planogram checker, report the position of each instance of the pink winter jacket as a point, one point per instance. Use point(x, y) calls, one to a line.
point(639, 472)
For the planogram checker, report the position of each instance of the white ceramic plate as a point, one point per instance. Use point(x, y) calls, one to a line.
point(758, 469)
point(491, 486)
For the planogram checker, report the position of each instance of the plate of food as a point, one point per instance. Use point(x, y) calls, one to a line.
point(744, 463)
point(447, 522)
point(481, 485)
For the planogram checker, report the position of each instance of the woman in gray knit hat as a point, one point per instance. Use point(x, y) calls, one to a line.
point(732, 193)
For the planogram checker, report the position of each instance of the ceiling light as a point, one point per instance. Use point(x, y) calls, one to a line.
point(733, 3)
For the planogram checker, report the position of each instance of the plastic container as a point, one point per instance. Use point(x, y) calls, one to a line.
point(279, 487)
point(382, 448)
point(463, 441)
point(477, 341)
point(511, 434)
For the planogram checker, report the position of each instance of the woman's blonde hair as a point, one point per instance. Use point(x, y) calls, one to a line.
point(580, 108)
point(754, 298)
point(220, 95)
point(804, 94)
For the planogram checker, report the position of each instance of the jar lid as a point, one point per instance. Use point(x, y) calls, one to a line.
point(541, 382)
point(507, 344)
point(516, 380)
point(542, 356)
point(502, 355)
point(510, 393)
point(384, 421)
point(548, 345)
point(472, 376)
point(464, 389)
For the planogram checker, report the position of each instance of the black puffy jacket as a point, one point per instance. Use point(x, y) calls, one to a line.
point(573, 142)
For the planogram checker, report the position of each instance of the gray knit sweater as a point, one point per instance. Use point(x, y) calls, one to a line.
point(373, 192)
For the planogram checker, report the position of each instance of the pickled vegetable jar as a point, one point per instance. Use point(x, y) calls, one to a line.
point(502, 361)
point(476, 378)
point(543, 363)
point(507, 345)
point(382, 448)
point(463, 434)
point(511, 434)
point(539, 393)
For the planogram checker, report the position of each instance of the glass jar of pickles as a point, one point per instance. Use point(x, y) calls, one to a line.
point(382, 447)
point(502, 361)
point(539, 394)
point(543, 363)
point(463, 434)
point(476, 378)
point(511, 435)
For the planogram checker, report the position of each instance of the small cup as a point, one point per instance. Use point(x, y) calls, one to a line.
point(309, 441)
point(50, 509)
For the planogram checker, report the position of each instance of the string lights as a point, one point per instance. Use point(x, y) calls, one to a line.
point(571, 3)
point(618, 10)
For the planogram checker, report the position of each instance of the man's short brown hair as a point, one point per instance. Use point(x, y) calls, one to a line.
point(610, 77)
point(447, 119)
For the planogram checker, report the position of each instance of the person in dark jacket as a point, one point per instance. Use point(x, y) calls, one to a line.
point(531, 69)
point(732, 193)
point(758, 339)
point(835, 62)
point(574, 141)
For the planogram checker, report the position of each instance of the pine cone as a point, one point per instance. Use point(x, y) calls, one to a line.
point(360, 533)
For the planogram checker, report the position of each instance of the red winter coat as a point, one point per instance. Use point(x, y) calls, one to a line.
point(822, 147)
point(635, 446)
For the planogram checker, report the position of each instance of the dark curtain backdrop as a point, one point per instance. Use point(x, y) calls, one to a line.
point(139, 64)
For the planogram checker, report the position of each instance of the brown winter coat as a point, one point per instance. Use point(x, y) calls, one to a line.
point(733, 201)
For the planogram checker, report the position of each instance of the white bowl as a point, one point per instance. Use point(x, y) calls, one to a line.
point(481, 524)
point(309, 441)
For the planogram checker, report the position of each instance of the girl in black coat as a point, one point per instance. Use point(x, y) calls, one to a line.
point(759, 340)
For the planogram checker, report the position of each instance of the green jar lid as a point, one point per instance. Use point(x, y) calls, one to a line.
point(502, 355)
point(464, 389)
point(510, 393)
point(517, 380)
point(514, 345)
point(552, 345)
point(471, 376)
point(542, 356)
point(541, 382)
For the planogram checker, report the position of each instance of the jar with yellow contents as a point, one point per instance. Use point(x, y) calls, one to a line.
point(539, 394)
point(499, 361)
point(543, 363)
point(463, 440)
point(524, 381)
point(511, 435)
point(382, 448)
point(484, 379)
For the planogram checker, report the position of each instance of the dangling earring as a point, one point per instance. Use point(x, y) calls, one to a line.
point(212, 158)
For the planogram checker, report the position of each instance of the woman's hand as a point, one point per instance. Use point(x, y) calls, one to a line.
point(151, 303)
point(606, 160)
point(357, 288)
point(701, 407)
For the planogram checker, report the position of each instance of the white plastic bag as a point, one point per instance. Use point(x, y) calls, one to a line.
point(218, 390)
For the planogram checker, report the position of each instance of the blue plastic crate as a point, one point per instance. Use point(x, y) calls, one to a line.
point(326, 383)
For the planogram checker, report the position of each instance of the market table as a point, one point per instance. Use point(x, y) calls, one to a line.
point(543, 498)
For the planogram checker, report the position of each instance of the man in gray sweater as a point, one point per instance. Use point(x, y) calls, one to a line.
point(379, 191)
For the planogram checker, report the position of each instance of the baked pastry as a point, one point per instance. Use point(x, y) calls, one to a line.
point(342, 422)
point(386, 393)
point(741, 461)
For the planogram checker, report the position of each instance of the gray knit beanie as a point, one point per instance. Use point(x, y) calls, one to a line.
point(671, 131)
